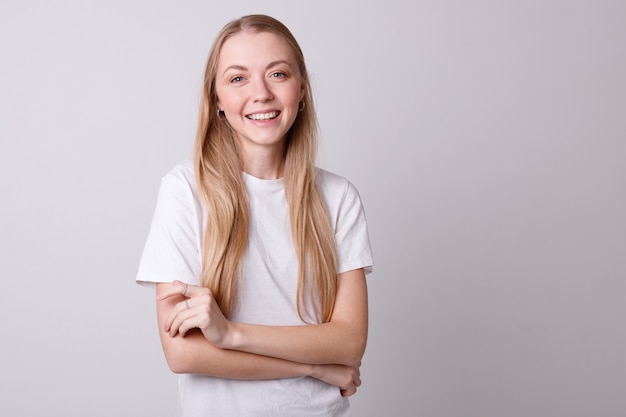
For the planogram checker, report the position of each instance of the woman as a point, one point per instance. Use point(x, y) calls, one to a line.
point(259, 257)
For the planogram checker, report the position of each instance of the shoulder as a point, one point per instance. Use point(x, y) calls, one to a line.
point(331, 182)
point(333, 185)
point(178, 185)
point(182, 172)
point(181, 178)
point(337, 191)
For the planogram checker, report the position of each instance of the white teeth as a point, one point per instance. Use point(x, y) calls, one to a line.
point(263, 116)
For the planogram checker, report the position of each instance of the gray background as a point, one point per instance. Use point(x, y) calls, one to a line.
point(487, 139)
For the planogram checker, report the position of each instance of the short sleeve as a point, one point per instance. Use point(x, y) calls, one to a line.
point(353, 246)
point(347, 217)
point(172, 250)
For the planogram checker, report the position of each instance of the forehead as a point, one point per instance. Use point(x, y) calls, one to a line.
point(251, 49)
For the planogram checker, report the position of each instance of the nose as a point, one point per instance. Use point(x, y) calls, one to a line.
point(260, 91)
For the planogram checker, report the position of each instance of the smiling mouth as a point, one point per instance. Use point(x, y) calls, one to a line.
point(263, 116)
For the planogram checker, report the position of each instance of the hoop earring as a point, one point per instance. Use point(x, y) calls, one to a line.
point(301, 107)
point(220, 113)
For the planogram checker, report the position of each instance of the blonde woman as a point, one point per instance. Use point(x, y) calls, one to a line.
point(259, 258)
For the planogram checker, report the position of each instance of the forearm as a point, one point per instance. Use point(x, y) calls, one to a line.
point(340, 341)
point(194, 354)
point(335, 342)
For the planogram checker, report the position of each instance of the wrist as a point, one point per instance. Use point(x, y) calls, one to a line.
point(233, 337)
point(311, 370)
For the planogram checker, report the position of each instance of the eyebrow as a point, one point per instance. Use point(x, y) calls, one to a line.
point(268, 66)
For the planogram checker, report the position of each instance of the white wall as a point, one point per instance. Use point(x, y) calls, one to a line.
point(487, 139)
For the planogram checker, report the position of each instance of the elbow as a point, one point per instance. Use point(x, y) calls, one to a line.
point(355, 351)
point(176, 366)
point(352, 344)
point(191, 354)
point(176, 361)
point(177, 356)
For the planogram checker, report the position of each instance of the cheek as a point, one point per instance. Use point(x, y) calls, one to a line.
point(224, 102)
point(294, 96)
point(227, 99)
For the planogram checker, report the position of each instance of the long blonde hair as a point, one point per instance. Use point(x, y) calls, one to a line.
point(218, 169)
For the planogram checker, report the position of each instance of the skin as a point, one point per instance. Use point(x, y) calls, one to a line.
point(258, 74)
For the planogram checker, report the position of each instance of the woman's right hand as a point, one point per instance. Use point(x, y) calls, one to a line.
point(347, 378)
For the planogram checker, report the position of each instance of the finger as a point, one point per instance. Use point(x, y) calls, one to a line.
point(180, 319)
point(176, 288)
point(177, 312)
point(187, 324)
point(348, 392)
point(181, 289)
point(203, 300)
point(190, 290)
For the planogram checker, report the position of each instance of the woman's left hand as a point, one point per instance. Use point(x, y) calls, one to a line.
point(198, 310)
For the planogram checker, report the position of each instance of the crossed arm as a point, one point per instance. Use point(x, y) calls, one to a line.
point(197, 338)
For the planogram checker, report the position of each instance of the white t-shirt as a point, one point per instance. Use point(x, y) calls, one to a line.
point(267, 291)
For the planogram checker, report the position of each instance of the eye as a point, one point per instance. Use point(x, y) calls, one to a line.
point(236, 79)
point(278, 74)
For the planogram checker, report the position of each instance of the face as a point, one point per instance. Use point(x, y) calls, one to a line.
point(259, 88)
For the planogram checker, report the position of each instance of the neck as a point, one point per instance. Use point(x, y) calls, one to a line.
point(265, 164)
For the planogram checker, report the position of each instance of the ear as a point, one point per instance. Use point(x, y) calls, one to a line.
point(302, 90)
point(215, 98)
